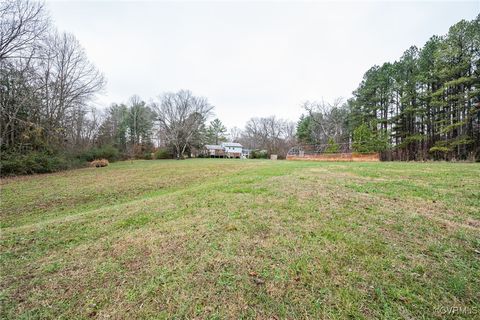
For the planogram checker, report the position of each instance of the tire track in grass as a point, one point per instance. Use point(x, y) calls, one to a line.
point(58, 214)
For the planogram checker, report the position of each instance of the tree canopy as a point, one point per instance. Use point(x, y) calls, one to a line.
point(427, 102)
point(424, 105)
point(216, 132)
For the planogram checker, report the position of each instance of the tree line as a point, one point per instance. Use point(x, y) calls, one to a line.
point(424, 106)
point(48, 119)
point(46, 84)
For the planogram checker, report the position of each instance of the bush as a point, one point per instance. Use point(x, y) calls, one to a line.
point(99, 163)
point(332, 146)
point(148, 156)
point(107, 152)
point(163, 153)
point(262, 154)
point(35, 162)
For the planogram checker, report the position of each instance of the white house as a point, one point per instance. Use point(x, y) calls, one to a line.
point(232, 149)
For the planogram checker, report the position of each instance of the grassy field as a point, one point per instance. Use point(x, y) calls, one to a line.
point(243, 239)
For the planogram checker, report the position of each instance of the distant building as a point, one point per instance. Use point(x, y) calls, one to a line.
point(246, 153)
point(214, 151)
point(225, 150)
point(232, 149)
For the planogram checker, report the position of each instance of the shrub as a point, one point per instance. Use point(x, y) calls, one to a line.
point(107, 152)
point(147, 156)
point(332, 147)
point(99, 163)
point(439, 152)
point(439, 149)
point(255, 154)
point(163, 153)
point(35, 162)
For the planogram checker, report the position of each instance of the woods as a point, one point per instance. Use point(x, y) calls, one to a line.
point(46, 85)
point(427, 103)
point(49, 121)
point(423, 106)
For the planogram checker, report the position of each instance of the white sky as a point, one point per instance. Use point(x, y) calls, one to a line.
point(250, 59)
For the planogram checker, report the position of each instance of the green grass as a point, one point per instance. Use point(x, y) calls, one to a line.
point(219, 238)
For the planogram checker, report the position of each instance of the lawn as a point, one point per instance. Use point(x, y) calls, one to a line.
point(213, 238)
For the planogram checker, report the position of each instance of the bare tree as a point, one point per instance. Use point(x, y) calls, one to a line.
point(329, 120)
point(22, 24)
point(181, 116)
point(18, 101)
point(271, 133)
point(139, 123)
point(235, 134)
point(85, 125)
point(67, 82)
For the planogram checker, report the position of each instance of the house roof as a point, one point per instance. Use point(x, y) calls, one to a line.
point(231, 144)
point(213, 147)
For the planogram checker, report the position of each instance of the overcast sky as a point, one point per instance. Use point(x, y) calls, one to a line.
point(249, 59)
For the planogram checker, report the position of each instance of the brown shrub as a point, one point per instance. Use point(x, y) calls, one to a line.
point(99, 163)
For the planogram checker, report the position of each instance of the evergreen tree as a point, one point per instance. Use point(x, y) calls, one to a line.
point(216, 132)
point(332, 146)
point(304, 128)
point(426, 104)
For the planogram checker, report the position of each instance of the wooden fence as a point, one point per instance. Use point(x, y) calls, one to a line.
point(356, 157)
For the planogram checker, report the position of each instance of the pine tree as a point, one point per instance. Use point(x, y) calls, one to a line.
point(426, 104)
point(216, 132)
